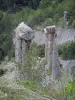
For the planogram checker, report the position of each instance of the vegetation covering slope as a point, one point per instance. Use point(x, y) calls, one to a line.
point(34, 13)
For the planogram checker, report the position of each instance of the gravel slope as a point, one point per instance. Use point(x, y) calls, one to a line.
point(63, 35)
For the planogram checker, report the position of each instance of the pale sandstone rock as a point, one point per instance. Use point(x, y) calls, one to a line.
point(51, 51)
point(23, 35)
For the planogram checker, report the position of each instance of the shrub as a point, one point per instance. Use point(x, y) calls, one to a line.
point(67, 50)
point(32, 58)
point(48, 22)
point(32, 85)
point(70, 90)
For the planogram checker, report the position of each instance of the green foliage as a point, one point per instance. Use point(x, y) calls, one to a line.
point(67, 50)
point(73, 24)
point(50, 12)
point(39, 16)
point(69, 91)
point(32, 85)
point(14, 94)
point(2, 95)
point(5, 33)
point(70, 88)
point(48, 22)
point(36, 18)
point(59, 9)
point(45, 3)
point(32, 60)
point(33, 54)
point(15, 5)
point(48, 9)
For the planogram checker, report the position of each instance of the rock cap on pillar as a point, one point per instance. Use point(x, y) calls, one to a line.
point(24, 32)
point(50, 29)
point(23, 36)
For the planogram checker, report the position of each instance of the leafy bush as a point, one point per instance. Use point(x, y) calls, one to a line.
point(48, 22)
point(32, 58)
point(32, 85)
point(67, 50)
point(33, 54)
point(69, 91)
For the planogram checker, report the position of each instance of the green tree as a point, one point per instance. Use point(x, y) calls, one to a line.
point(45, 3)
point(5, 33)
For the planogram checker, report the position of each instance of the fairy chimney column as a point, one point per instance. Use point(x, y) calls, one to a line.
point(55, 61)
point(50, 32)
point(18, 45)
point(51, 51)
point(25, 48)
point(24, 35)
